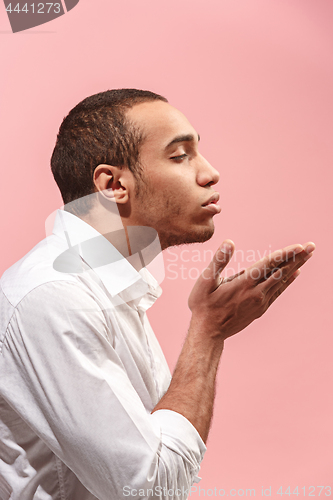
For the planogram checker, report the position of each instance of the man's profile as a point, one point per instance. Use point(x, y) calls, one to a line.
point(88, 407)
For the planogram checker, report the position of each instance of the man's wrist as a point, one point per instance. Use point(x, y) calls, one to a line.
point(205, 330)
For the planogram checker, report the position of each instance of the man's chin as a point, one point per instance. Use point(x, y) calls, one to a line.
point(200, 236)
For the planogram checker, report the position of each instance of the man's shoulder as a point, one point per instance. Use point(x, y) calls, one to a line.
point(35, 269)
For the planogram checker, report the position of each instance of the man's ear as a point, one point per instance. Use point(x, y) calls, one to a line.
point(114, 183)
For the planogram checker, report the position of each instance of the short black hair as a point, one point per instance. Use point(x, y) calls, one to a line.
point(97, 131)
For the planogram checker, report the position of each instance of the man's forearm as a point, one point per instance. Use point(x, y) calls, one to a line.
point(192, 388)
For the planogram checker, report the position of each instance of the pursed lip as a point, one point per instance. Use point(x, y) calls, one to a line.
point(213, 199)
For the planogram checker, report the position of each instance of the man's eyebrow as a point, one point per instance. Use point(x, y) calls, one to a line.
point(182, 138)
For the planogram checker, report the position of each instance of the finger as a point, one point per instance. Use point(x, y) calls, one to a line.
point(286, 269)
point(282, 287)
point(301, 258)
point(309, 247)
point(210, 277)
point(260, 271)
point(282, 275)
point(231, 278)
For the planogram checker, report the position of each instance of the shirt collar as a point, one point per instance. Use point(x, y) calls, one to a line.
point(115, 271)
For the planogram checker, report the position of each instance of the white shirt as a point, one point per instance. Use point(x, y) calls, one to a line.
point(80, 372)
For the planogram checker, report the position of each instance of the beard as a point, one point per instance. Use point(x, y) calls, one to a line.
point(173, 239)
point(169, 231)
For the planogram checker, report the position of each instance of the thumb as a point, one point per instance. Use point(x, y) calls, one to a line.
point(209, 279)
point(211, 275)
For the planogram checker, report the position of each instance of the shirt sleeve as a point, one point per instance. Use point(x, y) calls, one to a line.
point(62, 375)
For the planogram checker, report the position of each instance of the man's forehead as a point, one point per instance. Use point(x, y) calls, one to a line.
point(160, 121)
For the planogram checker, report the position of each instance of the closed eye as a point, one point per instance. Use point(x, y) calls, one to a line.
point(179, 158)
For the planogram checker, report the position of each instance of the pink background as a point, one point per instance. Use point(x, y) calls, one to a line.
point(255, 77)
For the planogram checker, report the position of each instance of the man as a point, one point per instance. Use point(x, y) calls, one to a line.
point(88, 407)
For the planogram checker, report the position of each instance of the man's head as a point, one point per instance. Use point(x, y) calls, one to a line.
point(96, 132)
point(158, 178)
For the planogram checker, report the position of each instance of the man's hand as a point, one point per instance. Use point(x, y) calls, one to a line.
point(225, 306)
point(220, 308)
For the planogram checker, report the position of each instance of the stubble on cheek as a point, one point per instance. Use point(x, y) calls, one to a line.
point(170, 217)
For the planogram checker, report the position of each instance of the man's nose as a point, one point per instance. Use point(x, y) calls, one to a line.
point(207, 175)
